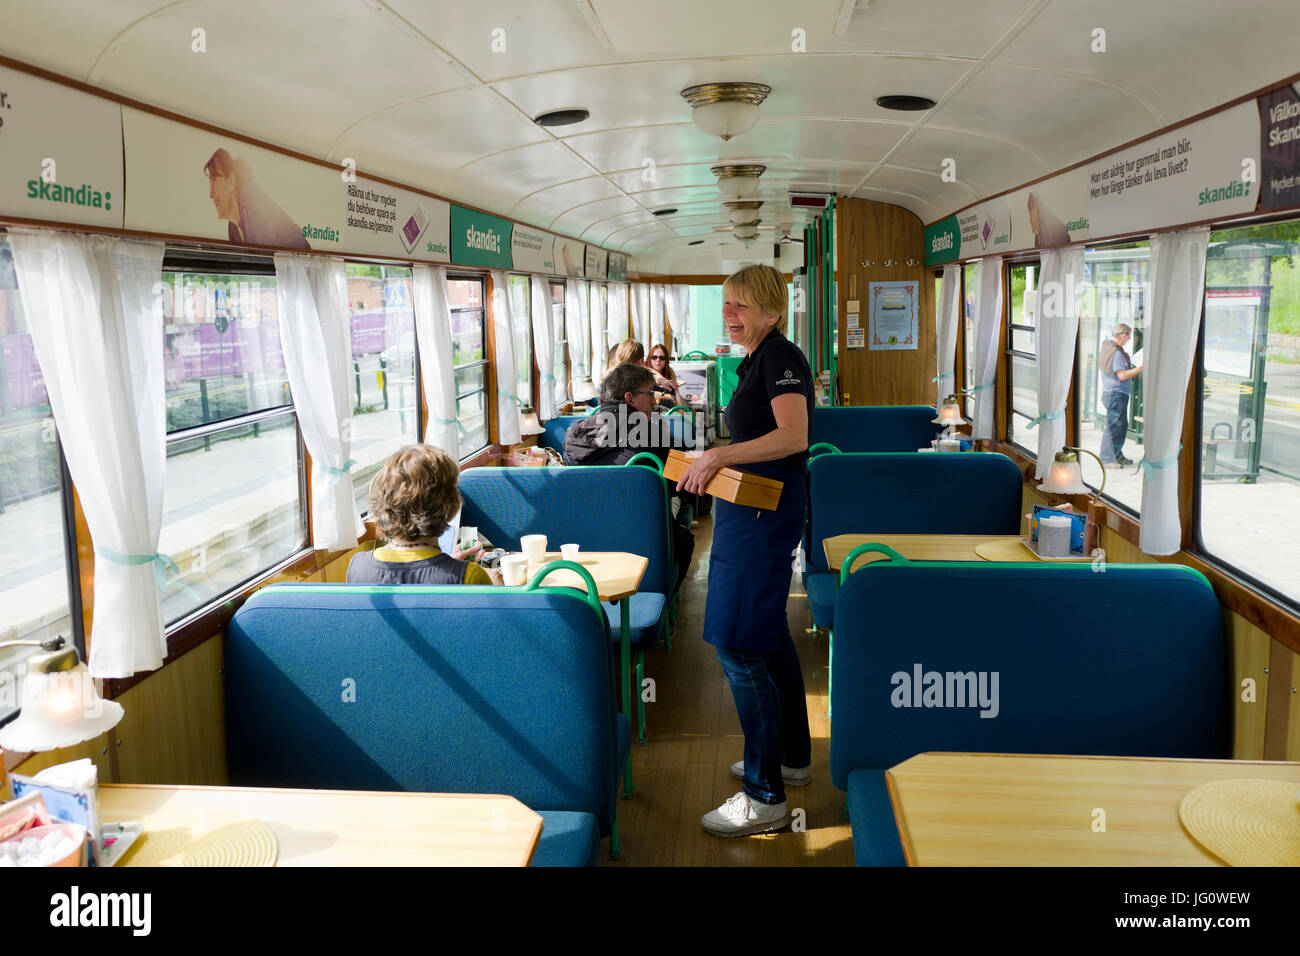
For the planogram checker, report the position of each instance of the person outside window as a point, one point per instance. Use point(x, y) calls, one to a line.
point(1117, 374)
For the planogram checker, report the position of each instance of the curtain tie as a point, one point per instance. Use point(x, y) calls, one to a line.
point(977, 388)
point(162, 563)
point(940, 378)
point(1149, 466)
point(451, 421)
point(333, 475)
point(1033, 422)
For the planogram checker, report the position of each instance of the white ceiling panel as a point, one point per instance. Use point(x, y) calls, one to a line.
point(982, 164)
point(716, 28)
point(266, 75)
point(66, 37)
point(1223, 49)
point(1062, 119)
point(516, 173)
point(430, 138)
point(924, 185)
point(957, 28)
point(547, 203)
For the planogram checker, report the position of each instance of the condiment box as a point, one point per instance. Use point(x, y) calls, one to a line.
point(738, 487)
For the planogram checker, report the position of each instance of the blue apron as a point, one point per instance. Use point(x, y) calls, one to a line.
point(750, 566)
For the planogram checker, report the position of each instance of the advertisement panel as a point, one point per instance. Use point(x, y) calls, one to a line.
point(570, 256)
point(60, 153)
point(532, 250)
point(595, 262)
point(478, 239)
point(385, 220)
point(192, 182)
point(618, 267)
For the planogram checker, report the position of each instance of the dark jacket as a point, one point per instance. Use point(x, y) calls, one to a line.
point(617, 432)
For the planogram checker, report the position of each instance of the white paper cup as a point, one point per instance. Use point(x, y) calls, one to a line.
point(1054, 536)
point(514, 570)
point(569, 552)
point(534, 546)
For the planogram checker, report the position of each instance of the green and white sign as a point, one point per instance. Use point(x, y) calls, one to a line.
point(478, 239)
point(60, 153)
point(942, 241)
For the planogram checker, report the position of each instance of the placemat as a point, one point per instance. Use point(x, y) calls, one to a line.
point(205, 838)
point(1245, 822)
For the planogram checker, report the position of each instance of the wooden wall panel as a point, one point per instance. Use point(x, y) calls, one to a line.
point(1249, 647)
point(174, 728)
point(877, 232)
point(1292, 690)
point(96, 749)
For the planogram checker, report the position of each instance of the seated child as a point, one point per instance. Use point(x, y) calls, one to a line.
point(412, 500)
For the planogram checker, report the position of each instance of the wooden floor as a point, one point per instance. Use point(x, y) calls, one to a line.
point(694, 736)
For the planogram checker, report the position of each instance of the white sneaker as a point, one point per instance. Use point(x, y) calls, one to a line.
point(791, 776)
point(740, 816)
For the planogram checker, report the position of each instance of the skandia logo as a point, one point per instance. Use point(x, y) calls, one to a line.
point(923, 688)
point(132, 910)
point(487, 241)
point(83, 195)
point(1073, 224)
point(1212, 194)
point(941, 242)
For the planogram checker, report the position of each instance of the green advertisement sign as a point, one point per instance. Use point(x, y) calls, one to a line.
point(478, 239)
point(942, 242)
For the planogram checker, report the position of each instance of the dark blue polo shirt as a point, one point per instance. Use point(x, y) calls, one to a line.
point(775, 367)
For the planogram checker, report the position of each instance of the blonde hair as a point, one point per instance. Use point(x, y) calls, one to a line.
point(415, 493)
point(762, 286)
point(629, 350)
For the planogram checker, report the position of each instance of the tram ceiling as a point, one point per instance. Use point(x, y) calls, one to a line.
point(442, 95)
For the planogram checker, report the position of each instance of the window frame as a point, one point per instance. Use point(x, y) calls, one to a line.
point(1011, 353)
point(483, 363)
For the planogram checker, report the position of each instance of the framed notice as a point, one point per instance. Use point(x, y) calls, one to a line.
point(891, 314)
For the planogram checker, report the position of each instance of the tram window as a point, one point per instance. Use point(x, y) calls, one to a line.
point(33, 545)
point(521, 306)
point(1249, 471)
point(1022, 352)
point(561, 336)
point(383, 387)
point(1116, 288)
point(970, 287)
point(468, 337)
point(233, 503)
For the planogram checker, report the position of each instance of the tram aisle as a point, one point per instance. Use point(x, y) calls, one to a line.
point(694, 736)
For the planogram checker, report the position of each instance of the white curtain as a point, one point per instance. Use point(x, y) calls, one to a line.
point(94, 304)
point(316, 336)
point(945, 320)
point(988, 323)
point(437, 366)
point(575, 319)
point(618, 313)
point(544, 348)
point(640, 321)
point(503, 325)
point(596, 323)
point(657, 305)
point(675, 299)
point(1177, 293)
point(1056, 337)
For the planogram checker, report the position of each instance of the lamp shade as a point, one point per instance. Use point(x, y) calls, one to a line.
point(745, 232)
point(60, 708)
point(736, 188)
point(726, 118)
point(583, 389)
point(528, 423)
point(949, 413)
point(1065, 477)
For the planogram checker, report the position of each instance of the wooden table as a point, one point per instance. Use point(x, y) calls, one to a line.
point(617, 575)
point(935, 547)
point(354, 828)
point(957, 809)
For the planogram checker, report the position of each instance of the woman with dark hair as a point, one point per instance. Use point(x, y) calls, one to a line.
point(252, 215)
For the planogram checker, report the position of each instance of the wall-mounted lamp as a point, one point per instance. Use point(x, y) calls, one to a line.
point(528, 423)
point(583, 389)
point(1065, 477)
point(61, 706)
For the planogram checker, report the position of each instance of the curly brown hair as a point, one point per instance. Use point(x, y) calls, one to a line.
point(415, 493)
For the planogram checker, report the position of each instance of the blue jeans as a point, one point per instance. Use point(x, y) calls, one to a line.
point(769, 693)
point(1112, 439)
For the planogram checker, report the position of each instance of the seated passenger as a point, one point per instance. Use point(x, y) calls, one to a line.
point(412, 500)
point(623, 426)
point(632, 351)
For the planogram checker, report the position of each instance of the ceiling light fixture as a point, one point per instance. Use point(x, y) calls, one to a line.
point(725, 109)
point(561, 117)
point(745, 232)
point(744, 212)
point(905, 102)
point(738, 182)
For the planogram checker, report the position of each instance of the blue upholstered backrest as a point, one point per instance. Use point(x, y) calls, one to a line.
point(555, 430)
point(456, 690)
point(611, 508)
point(867, 428)
point(971, 493)
point(1129, 662)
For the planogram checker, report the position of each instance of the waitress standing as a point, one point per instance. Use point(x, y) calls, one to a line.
point(751, 560)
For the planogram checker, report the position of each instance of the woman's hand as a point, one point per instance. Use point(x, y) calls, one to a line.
point(467, 553)
point(703, 468)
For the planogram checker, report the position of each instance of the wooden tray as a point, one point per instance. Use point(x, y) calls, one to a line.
point(738, 487)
